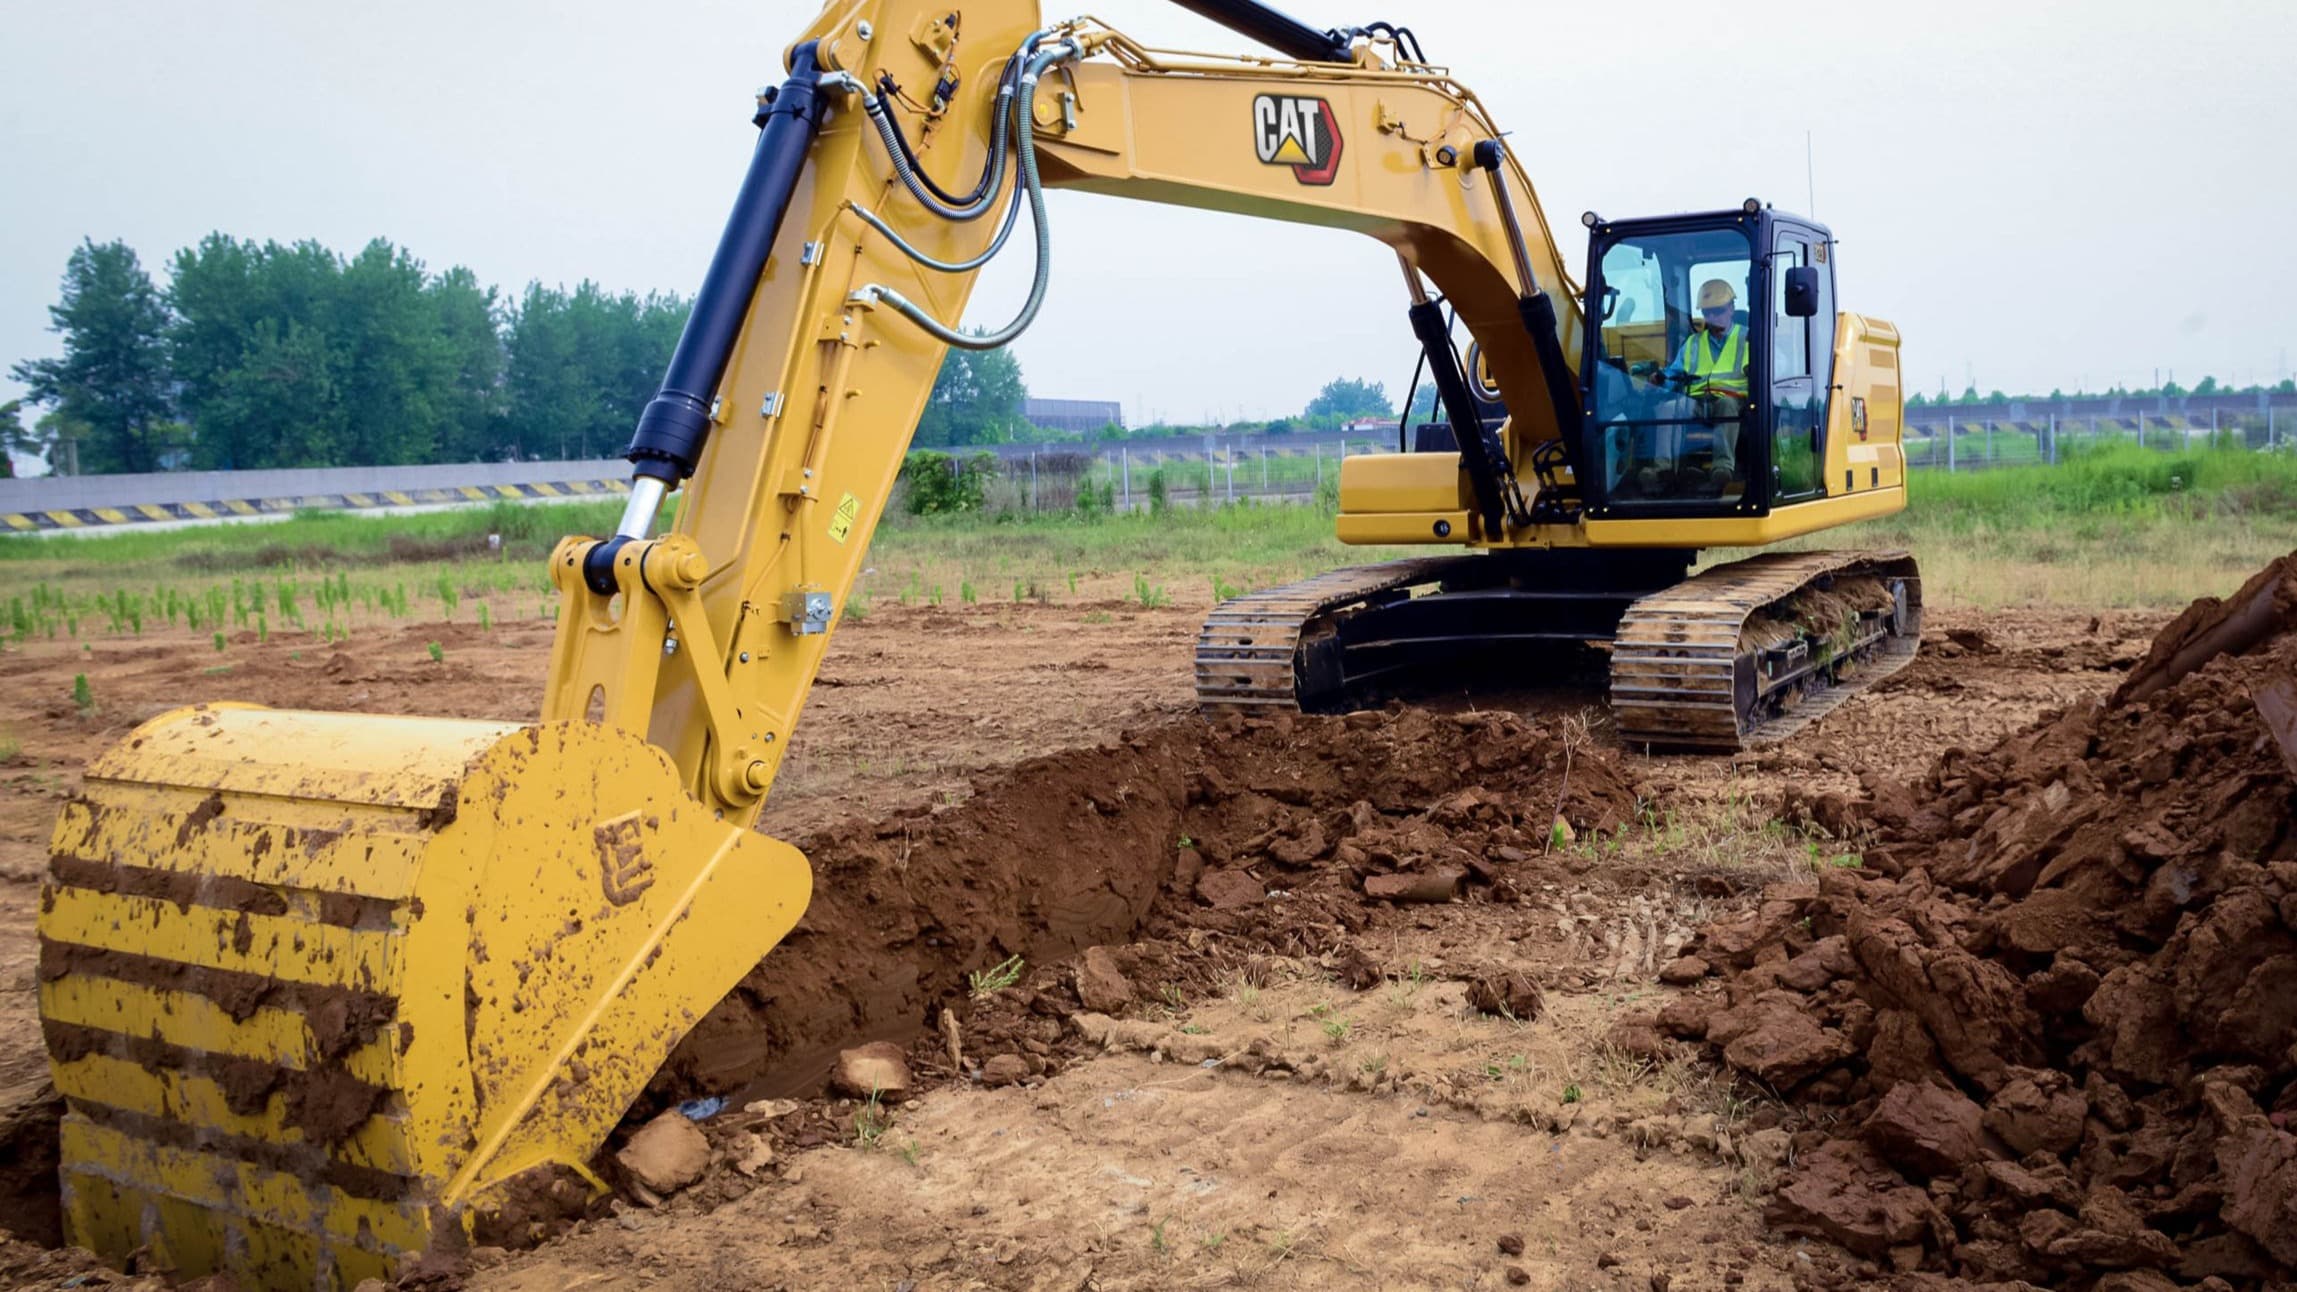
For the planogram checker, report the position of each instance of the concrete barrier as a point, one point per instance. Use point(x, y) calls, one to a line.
point(78, 502)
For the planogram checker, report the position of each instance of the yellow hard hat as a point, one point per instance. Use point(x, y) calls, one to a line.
point(1715, 293)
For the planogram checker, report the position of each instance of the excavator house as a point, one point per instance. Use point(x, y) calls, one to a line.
point(324, 991)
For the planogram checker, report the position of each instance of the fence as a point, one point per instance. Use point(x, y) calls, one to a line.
point(1975, 443)
point(1182, 473)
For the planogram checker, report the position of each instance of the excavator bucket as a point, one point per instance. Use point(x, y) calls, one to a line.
point(325, 991)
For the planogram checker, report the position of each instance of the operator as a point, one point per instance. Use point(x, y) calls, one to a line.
point(1712, 370)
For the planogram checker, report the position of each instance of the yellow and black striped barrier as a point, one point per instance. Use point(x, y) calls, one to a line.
point(94, 517)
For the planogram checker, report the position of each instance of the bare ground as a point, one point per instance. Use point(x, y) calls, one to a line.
point(1397, 1137)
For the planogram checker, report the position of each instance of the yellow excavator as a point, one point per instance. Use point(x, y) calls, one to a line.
point(324, 991)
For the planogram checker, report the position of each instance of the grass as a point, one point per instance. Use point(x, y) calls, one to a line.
point(870, 1122)
point(2111, 526)
point(997, 977)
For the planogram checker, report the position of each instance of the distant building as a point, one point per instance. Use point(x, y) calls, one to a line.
point(1075, 416)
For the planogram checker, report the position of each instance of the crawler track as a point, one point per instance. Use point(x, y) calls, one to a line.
point(1741, 655)
point(1250, 650)
point(1688, 672)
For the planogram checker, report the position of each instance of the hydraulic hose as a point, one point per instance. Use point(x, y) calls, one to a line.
point(897, 149)
point(1025, 146)
point(997, 244)
point(982, 185)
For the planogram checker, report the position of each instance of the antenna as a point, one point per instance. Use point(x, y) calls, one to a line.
point(1810, 173)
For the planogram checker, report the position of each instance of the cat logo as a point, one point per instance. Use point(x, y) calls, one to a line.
point(624, 871)
point(1298, 132)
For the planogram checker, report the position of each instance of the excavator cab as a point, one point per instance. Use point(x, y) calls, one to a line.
point(1706, 373)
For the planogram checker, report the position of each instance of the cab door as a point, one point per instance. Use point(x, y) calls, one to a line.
point(1802, 360)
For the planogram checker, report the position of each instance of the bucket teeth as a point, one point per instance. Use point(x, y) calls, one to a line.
point(317, 988)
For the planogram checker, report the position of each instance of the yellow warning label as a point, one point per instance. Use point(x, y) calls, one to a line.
point(841, 524)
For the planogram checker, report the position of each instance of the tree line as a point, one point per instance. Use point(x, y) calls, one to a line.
point(267, 354)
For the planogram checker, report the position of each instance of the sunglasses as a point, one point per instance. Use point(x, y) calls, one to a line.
point(1713, 311)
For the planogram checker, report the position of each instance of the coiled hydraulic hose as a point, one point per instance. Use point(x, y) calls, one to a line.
point(1030, 186)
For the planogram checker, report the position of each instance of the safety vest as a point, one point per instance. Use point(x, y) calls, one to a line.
point(1717, 372)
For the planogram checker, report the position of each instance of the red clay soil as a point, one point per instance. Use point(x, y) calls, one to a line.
point(1257, 828)
point(2055, 1015)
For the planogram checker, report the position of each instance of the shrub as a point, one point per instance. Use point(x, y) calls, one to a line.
point(940, 484)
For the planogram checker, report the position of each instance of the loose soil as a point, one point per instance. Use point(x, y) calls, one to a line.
point(2054, 1019)
point(1304, 1003)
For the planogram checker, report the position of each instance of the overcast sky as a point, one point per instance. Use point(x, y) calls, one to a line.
point(2039, 195)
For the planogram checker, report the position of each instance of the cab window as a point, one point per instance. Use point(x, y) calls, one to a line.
point(1672, 374)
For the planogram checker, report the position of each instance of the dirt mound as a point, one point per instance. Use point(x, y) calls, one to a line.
point(2057, 1011)
point(1278, 830)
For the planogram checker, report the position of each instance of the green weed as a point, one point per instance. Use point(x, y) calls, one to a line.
point(438, 652)
point(996, 977)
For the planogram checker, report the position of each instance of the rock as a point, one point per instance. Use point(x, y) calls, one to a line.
point(1004, 1070)
point(2037, 1111)
point(1843, 1192)
point(1510, 994)
point(2136, 1281)
point(1774, 1038)
point(2049, 1186)
point(1356, 967)
point(1637, 1037)
point(1901, 1050)
point(1511, 1244)
point(1925, 1129)
point(1683, 971)
point(666, 1154)
point(1435, 885)
point(1228, 889)
point(1102, 986)
point(2259, 1164)
point(1826, 961)
point(2132, 1006)
point(877, 1068)
point(1743, 939)
point(1974, 1010)
point(1518, 1276)
point(1686, 1017)
point(752, 1154)
point(372, 1285)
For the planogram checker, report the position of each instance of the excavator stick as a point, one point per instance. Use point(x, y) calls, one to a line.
point(325, 991)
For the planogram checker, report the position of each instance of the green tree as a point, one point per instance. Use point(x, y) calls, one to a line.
point(1345, 399)
point(250, 354)
point(14, 438)
point(976, 399)
point(2206, 386)
point(580, 366)
point(1424, 404)
point(112, 378)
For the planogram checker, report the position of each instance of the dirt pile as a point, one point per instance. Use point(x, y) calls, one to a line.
point(2056, 1012)
point(1276, 830)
